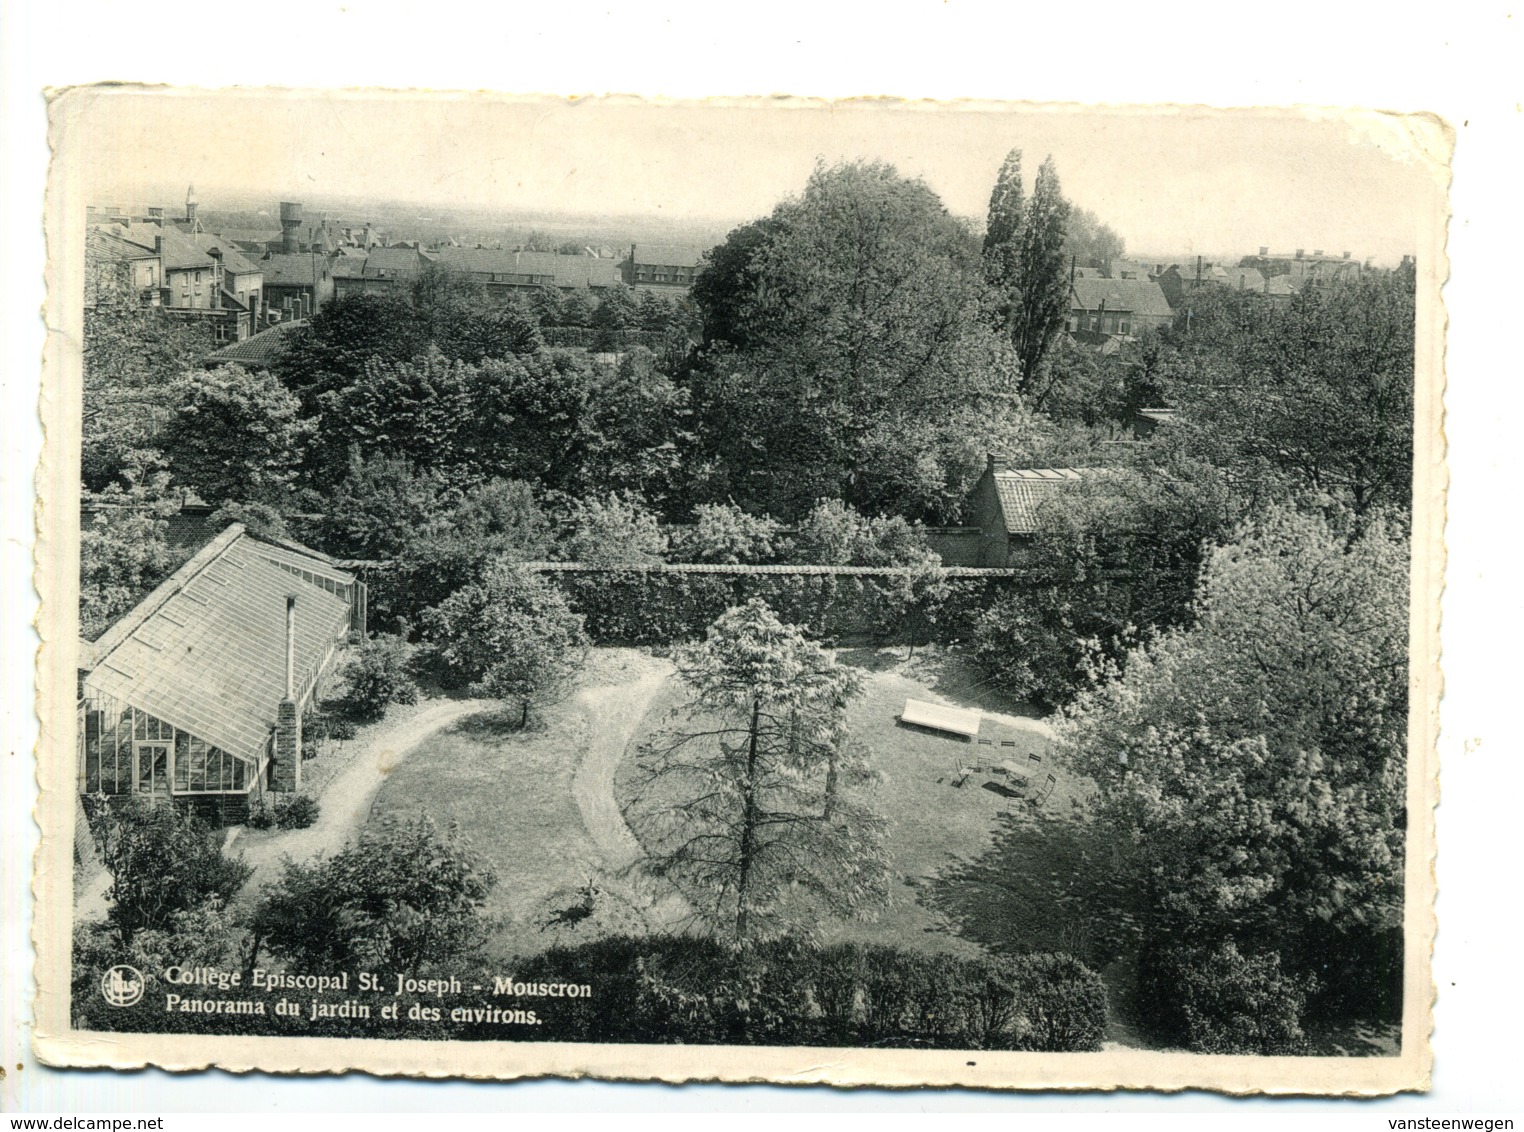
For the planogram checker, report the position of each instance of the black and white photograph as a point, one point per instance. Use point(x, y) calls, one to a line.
point(860, 592)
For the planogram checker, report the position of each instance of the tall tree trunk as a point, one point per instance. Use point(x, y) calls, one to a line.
point(830, 785)
point(748, 822)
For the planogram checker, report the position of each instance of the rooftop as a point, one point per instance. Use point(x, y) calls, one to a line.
point(1022, 491)
point(1140, 296)
point(206, 650)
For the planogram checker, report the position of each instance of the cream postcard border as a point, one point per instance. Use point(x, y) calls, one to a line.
point(57, 580)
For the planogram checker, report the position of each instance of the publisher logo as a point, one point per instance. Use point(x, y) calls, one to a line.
point(122, 985)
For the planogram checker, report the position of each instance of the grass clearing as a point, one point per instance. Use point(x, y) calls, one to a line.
point(510, 793)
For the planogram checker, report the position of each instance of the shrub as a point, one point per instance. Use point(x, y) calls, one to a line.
point(346, 729)
point(162, 861)
point(376, 676)
point(297, 811)
point(722, 532)
point(261, 815)
point(1218, 999)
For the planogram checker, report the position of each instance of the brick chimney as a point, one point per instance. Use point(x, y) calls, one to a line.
point(286, 767)
point(998, 462)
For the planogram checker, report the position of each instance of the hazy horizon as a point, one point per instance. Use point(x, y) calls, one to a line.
point(1173, 181)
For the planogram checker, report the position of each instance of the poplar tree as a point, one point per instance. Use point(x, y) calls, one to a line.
point(1024, 264)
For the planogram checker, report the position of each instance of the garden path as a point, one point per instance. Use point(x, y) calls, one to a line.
point(614, 712)
point(347, 796)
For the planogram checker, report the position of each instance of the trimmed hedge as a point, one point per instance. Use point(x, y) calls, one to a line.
point(660, 990)
point(653, 607)
point(682, 989)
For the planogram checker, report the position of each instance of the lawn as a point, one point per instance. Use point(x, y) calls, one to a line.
point(939, 832)
point(510, 793)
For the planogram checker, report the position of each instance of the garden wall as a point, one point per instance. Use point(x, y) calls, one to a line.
point(663, 604)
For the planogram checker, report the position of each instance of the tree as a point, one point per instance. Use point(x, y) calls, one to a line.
point(510, 636)
point(334, 348)
point(234, 436)
point(1314, 400)
point(1002, 231)
point(163, 861)
point(750, 803)
point(617, 531)
point(402, 896)
point(722, 532)
point(635, 431)
point(1039, 294)
point(1256, 760)
point(124, 551)
point(132, 355)
point(853, 308)
point(834, 534)
point(1090, 242)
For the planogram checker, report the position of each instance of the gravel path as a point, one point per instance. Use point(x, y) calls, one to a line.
point(615, 711)
point(348, 795)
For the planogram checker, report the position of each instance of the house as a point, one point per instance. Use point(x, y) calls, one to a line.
point(196, 695)
point(1316, 270)
point(1007, 502)
point(258, 351)
point(1117, 306)
point(195, 275)
point(296, 285)
point(661, 267)
point(499, 272)
point(1177, 280)
point(118, 268)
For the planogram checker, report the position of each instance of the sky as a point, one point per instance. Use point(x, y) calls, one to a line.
point(1171, 181)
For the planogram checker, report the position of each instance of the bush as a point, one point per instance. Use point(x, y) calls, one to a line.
point(377, 676)
point(297, 811)
point(722, 532)
point(1220, 1000)
point(346, 729)
point(261, 815)
point(162, 861)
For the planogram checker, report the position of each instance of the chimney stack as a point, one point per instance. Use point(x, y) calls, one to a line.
point(290, 646)
point(1299, 253)
point(286, 767)
point(1264, 252)
point(999, 462)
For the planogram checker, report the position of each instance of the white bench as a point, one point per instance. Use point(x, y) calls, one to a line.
point(960, 721)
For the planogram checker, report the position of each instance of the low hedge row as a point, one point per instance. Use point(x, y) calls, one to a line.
point(653, 607)
point(682, 989)
point(658, 990)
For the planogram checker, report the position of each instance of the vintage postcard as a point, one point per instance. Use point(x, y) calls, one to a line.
point(856, 593)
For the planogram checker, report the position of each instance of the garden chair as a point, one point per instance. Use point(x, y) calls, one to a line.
point(1047, 788)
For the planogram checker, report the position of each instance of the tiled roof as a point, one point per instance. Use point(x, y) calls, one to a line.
point(258, 349)
point(293, 270)
point(395, 262)
point(566, 270)
point(180, 252)
point(232, 258)
point(1283, 285)
point(1140, 296)
point(667, 255)
point(1022, 491)
point(108, 242)
point(206, 651)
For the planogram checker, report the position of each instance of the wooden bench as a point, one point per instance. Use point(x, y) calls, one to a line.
point(959, 721)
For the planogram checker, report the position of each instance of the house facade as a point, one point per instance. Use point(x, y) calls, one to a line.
point(1124, 307)
point(196, 695)
point(669, 268)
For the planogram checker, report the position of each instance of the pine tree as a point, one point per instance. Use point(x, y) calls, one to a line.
point(751, 802)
